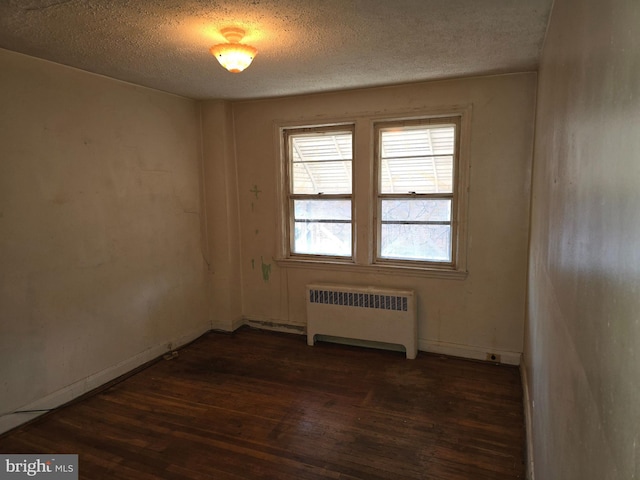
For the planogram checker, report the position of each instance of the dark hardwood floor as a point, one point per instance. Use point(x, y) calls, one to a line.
point(264, 405)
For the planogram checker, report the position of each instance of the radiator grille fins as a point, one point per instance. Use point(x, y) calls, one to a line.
point(361, 300)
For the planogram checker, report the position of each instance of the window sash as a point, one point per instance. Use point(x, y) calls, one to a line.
point(408, 228)
point(438, 258)
point(309, 237)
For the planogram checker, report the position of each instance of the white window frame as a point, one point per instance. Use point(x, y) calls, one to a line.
point(453, 196)
point(289, 224)
point(364, 196)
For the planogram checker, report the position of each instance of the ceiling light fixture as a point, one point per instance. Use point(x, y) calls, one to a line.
point(234, 56)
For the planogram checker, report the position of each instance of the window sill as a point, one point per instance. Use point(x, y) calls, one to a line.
point(384, 269)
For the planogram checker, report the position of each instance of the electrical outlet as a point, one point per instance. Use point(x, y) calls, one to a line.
point(493, 357)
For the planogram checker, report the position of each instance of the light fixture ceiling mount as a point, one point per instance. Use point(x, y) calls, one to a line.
point(234, 56)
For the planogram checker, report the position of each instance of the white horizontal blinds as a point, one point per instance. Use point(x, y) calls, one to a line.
point(320, 204)
point(416, 191)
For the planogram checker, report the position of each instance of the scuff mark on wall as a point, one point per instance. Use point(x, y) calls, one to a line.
point(266, 270)
point(253, 264)
point(255, 191)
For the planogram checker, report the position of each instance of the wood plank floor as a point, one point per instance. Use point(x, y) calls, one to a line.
point(264, 405)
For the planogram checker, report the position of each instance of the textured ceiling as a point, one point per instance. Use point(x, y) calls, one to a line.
point(303, 45)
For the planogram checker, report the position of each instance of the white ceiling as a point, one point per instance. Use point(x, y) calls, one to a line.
point(303, 46)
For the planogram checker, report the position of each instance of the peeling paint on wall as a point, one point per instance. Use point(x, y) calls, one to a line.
point(266, 270)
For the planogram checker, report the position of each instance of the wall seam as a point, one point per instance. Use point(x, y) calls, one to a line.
point(234, 158)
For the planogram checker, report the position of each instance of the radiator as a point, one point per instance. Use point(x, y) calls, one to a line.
point(363, 313)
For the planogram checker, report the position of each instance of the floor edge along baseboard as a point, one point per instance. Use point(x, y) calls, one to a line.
point(60, 397)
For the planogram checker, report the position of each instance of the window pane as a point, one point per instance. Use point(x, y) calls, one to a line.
point(417, 159)
point(410, 210)
point(418, 141)
point(419, 175)
point(324, 238)
point(322, 210)
point(321, 163)
point(321, 177)
point(322, 227)
point(320, 147)
point(416, 242)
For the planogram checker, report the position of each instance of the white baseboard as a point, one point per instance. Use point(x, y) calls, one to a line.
point(79, 388)
point(465, 351)
point(227, 325)
point(237, 323)
point(528, 419)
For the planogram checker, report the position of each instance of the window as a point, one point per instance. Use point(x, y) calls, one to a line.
point(416, 172)
point(397, 202)
point(319, 188)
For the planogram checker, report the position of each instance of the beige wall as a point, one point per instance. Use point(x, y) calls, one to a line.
point(482, 313)
point(583, 329)
point(221, 194)
point(100, 251)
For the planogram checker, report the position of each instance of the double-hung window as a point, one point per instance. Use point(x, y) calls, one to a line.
point(319, 186)
point(416, 163)
point(409, 212)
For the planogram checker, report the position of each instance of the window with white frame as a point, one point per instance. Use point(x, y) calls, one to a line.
point(319, 191)
point(416, 163)
point(410, 209)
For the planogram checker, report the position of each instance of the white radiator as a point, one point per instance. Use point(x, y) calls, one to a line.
point(363, 313)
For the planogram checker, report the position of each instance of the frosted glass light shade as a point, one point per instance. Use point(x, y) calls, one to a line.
point(234, 56)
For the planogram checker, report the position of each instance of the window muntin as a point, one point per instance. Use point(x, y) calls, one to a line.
point(416, 198)
point(319, 167)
